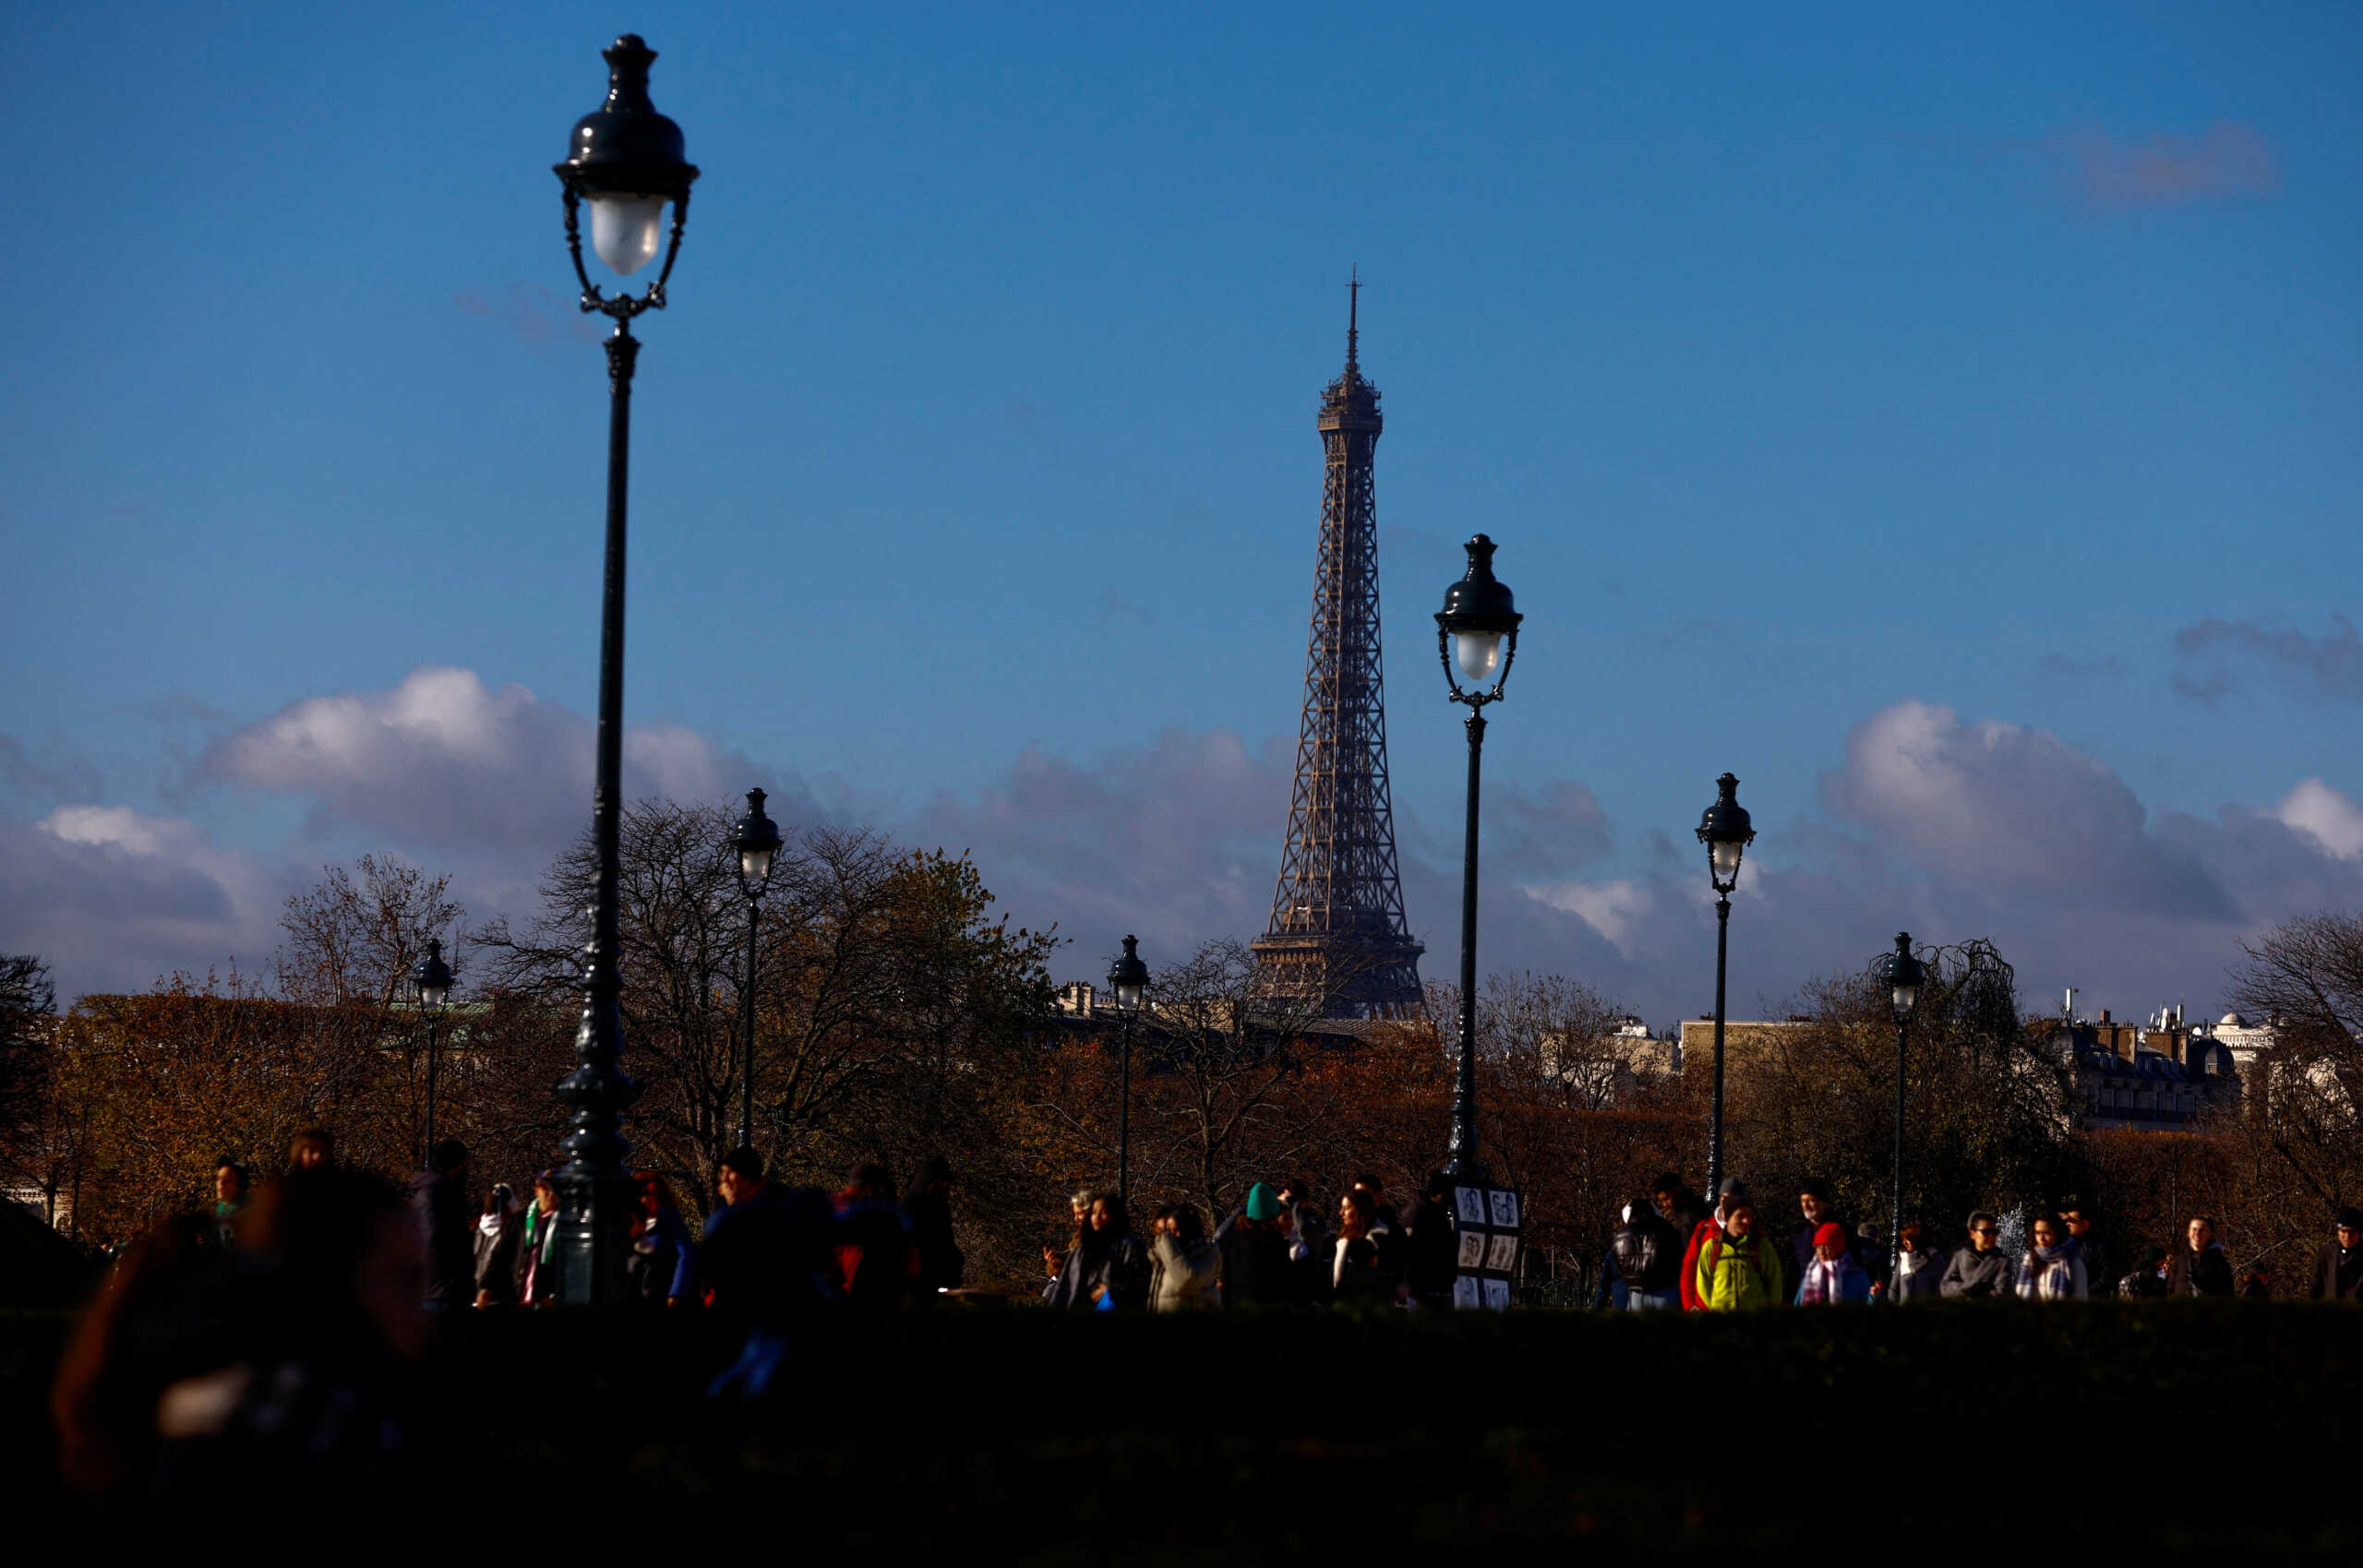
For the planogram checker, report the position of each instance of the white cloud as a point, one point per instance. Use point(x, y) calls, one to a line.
point(2329, 818)
point(114, 898)
point(1948, 827)
point(1615, 908)
point(2008, 809)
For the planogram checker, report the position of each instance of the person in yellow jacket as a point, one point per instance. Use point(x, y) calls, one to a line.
point(1739, 1269)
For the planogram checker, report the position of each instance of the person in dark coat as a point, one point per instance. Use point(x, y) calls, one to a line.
point(2338, 1267)
point(1431, 1248)
point(495, 1247)
point(873, 1252)
point(1677, 1204)
point(749, 1272)
point(1646, 1253)
point(1054, 1258)
point(2077, 1215)
point(2149, 1279)
point(1981, 1270)
point(1107, 1268)
point(2200, 1267)
point(1257, 1268)
point(1816, 1206)
point(1920, 1269)
point(445, 1212)
point(1301, 1225)
point(937, 1263)
point(662, 1265)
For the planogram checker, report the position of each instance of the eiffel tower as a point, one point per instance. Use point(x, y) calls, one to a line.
point(1337, 937)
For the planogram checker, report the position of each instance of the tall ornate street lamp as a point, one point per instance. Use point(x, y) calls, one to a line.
point(1476, 637)
point(1724, 828)
point(1901, 974)
point(623, 159)
point(1127, 977)
point(431, 978)
point(756, 842)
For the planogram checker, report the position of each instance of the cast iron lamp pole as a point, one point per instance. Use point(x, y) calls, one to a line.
point(432, 978)
point(1127, 977)
point(1724, 830)
point(624, 159)
point(756, 841)
point(1476, 629)
point(1902, 975)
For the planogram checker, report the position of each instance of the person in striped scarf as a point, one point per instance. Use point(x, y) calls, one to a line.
point(2050, 1269)
point(1832, 1278)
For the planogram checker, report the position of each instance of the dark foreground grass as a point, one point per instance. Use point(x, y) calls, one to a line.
point(1018, 1435)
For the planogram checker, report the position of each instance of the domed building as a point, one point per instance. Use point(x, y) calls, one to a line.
point(2162, 1075)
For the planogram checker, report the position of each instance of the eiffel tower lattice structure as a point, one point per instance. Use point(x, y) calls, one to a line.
point(1337, 937)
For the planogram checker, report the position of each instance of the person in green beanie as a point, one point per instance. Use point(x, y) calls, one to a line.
point(1257, 1268)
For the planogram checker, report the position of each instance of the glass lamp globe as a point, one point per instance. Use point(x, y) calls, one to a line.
point(626, 229)
point(1478, 654)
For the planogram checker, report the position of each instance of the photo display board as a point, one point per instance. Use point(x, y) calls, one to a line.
point(1485, 1223)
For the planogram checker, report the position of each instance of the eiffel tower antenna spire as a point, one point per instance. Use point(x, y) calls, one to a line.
point(1353, 320)
point(1337, 939)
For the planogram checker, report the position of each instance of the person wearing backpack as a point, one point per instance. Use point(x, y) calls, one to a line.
point(1732, 1194)
point(1738, 1270)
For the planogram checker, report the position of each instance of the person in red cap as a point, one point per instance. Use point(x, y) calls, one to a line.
point(1833, 1277)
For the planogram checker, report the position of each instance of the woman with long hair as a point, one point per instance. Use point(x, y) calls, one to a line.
point(496, 1242)
point(2050, 1269)
point(1107, 1267)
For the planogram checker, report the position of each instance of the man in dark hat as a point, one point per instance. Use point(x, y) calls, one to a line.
point(2338, 1267)
point(2077, 1215)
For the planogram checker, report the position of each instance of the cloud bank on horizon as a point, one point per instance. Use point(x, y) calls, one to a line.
point(1948, 827)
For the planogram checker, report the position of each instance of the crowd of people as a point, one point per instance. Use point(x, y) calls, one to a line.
point(288, 1315)
point(768, 1250)
point(1669, 1251)
point(1277, 1248)
point(764, 1249)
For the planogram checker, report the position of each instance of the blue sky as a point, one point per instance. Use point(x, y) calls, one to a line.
point(1944, 423)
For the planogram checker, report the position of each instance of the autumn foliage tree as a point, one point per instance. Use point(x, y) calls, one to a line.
point(885, 993)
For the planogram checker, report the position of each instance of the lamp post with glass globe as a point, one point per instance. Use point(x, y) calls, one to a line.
point(431, 978)
point(624, 160)
point(1901, 974)
point(1127, 977)
point(1724, 828)
point(1476, 637)
point(756, 841)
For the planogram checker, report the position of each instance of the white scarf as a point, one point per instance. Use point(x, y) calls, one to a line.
point(2043, 1273)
